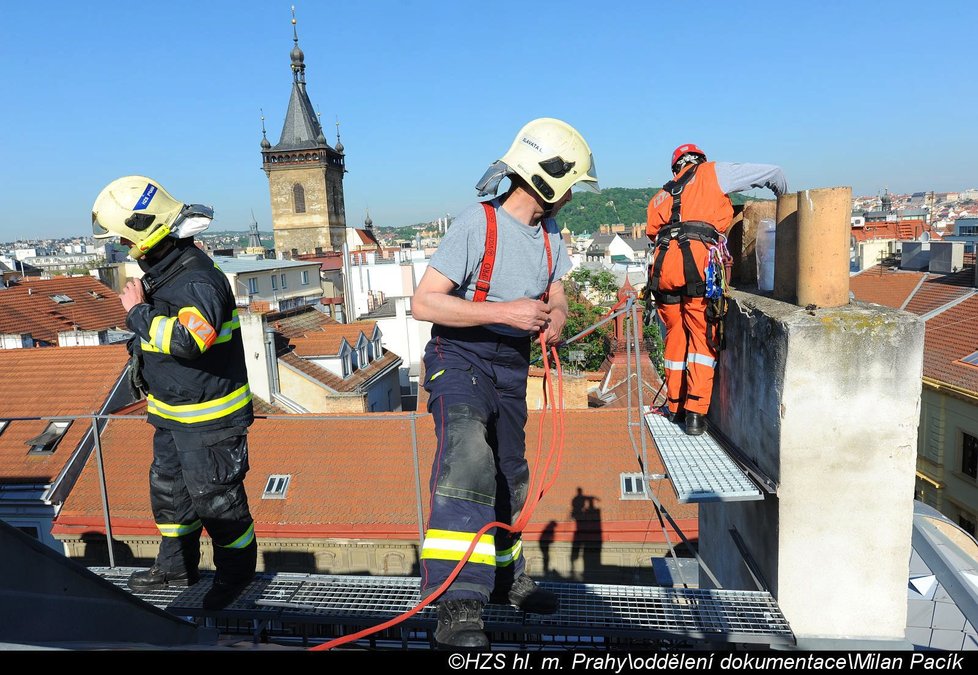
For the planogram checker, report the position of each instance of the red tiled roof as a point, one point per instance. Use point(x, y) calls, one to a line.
point(951, 336)
point(354, 478)
point(892, 288)
point(333, 381)
point(28, 307)
point(263, 407)
point(328, 339)
point(49, 383)
point(934, 293)
point(884, 286)
point(314, 372)
point(318, 344)
point(299, 321)
point(903, 230)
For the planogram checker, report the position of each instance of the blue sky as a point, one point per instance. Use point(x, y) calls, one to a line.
point(853, 93)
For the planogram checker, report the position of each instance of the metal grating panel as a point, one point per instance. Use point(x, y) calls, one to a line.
point(595, 610)
point(699, 468)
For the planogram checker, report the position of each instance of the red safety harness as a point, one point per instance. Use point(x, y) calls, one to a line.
point(489, 257)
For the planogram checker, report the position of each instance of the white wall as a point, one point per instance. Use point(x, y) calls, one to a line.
point(405, 336)
point(388, 278)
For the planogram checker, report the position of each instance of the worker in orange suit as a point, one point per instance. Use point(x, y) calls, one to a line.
point(684, 220)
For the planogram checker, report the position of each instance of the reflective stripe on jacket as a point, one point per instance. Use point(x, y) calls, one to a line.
point(190, 335)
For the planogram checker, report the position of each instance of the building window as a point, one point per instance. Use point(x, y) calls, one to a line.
point(969, 456)
point(298, 198)
point(305, 277)
point(274, 282)
point(45, 443)
point(632, 486)
point(253, 285)
point(347, 365)
point(277, 486)
point(378, 349)
point(285, 284)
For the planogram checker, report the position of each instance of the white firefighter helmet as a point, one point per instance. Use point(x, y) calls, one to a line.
point(137, 208)
point(550, 155)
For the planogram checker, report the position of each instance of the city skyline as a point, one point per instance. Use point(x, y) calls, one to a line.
point(428, 94)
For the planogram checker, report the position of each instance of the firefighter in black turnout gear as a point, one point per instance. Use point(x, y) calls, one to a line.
point(188, 358)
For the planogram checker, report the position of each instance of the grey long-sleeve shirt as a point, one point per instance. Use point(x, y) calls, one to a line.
point(736, 177)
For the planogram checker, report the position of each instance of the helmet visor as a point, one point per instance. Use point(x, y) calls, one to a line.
point(588, 182)
point(98, 231)
point(489, 183)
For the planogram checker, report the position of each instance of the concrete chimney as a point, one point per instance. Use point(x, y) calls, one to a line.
point(826, 404)
point(824, 225)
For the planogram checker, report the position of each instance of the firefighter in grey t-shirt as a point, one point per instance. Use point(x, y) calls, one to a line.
point(492, 286)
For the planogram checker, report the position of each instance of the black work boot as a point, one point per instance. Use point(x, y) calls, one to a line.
point(460, 625)
point(156, 577)
point(695, 424)
point(525, 594)
point(224, 591)
point(235, 570)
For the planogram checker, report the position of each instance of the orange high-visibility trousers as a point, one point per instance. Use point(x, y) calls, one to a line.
point(689, 358)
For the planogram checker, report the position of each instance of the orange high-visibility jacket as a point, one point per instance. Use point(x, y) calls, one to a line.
point(702, 200)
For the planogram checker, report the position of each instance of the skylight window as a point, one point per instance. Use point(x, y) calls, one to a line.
point(277, 486)
point(632, 486)
point(3, 425)
point(45, 443)
point(971, 359)
point(61, 298)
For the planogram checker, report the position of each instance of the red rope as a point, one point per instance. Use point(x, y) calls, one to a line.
point(533, 499)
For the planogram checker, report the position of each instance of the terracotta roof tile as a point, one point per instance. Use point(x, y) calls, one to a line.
point(335, 382)
point(951, 336)
point(299, 321)
point(28, 308)
point(933, 294)
point(318, 344)
point(883, 286)
point(314, 372)
point(48, 383)
point(356, 478)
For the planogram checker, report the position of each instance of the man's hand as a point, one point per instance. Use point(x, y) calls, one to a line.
point(525, 314)
point(132, 294)
point(555, 326)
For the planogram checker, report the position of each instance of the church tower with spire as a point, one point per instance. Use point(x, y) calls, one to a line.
point(305, 174)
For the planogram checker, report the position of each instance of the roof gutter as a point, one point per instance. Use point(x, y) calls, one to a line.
point(950, 389)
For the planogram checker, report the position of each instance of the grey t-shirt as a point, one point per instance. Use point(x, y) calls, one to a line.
point(520, 270)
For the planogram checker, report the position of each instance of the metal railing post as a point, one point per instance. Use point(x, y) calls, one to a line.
point(417, 481)
point(102, 487)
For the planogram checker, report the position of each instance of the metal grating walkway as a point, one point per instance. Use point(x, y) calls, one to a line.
point(610, 611)
point(699, 468)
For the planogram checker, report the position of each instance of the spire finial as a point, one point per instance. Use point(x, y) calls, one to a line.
point(298, 67)
point(339, 144)
point(264, 139)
